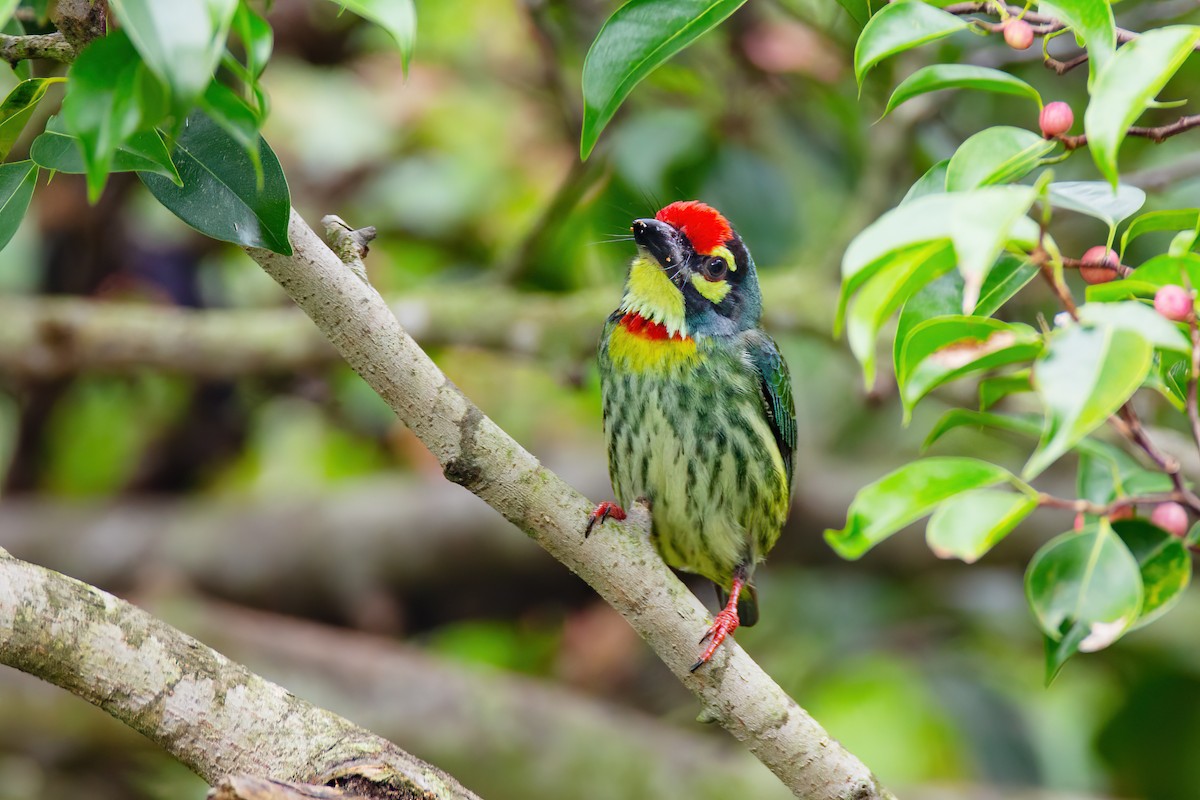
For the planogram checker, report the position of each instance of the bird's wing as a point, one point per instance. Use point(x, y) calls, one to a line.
point(775, 385)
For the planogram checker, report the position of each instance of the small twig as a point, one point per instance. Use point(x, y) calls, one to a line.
point(1076, 263)
point(350, 244)
point(1084, 506)
point(1040, 257)
point(246, 787)
point(1157, 135)
point(1193, 410)
point(55, 46)
point(1063, 67)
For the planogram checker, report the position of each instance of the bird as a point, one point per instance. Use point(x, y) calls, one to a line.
point(699, 418)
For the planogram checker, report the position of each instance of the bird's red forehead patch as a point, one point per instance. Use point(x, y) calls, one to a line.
point(702, 224)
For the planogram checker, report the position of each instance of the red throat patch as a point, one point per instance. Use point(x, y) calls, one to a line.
point(702, 224)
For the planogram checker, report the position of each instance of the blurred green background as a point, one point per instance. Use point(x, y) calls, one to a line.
point(286, 518)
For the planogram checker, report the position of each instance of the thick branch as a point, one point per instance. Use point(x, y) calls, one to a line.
point(619, 562)
point(215, 716)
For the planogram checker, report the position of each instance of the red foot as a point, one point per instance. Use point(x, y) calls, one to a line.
point(605, 510)
point(724, 625)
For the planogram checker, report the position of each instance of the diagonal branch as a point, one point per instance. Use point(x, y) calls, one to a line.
point(619, 562)
point(215, 716)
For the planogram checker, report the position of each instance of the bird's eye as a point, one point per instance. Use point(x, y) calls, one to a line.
point(714, 269)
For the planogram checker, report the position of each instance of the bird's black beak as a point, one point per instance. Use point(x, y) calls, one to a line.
point(661, 241)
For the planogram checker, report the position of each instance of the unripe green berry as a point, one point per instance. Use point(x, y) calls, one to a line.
point(1056, 119)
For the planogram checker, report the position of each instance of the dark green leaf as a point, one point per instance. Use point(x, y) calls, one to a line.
point(970, 524)
point(1083, 377)
point(907, 494)
point(16, 189)
point(959, 76)
point(898, 27)
point(236, 118)
point(180, 41)
point(18, 108)
point(1003, 281)
point(101, 107)
point(1164, 563)
point(859, 10)
point(144, 151)
point(220, 196)
point(397, 17)
point(1125, 87)
point(1001, 154)
point(1058, 651)
point(639, 37)
point(1089, 578)
point(7, 7)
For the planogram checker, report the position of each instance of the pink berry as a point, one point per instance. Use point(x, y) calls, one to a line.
point(1173, 302)
point(1018, 34)
point(1099, 265)
point(1171, 517)
point(1056, 119)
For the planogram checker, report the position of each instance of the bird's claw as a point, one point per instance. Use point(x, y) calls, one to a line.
point(725, 623)
point(605, 510)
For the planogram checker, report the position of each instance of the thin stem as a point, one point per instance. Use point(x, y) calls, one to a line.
point(1193, 410)
point(1157, 135)
point(1084, 506)
point(1040, 257)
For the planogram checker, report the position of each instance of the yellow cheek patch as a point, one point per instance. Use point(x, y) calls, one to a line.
point(716, 291)
point(638, 353)
point(650, 294)
point(724, 253)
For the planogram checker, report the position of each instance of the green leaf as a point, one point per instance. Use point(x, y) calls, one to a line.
point(1003, 281)
point(898, 27)
point(220, 197)
point(639, 37)
point(16, 189)
point(905, 273)
point(995, 388)
point(859, 10)
point(1097, 199)
point(397, 17)
point(18, 107)
point(1024, 424)
point(932, 182)
point(947, 348)
point(236, 118)
point(7, 7)
point(1059, 651)
point(1164, 562)
point(907, 494)
point(978, 223)
point(180, 41)
point(257, 38)
point(1001, 154)
point(144, 151)
point(1083, 377)
point(1170, 220)
point(1163, 270)
point(959, 76)
point(1126, 85)
point(1087, 578)
point(1094, 27)
point(1140, 319)
point(101, 107)
point(970, 524)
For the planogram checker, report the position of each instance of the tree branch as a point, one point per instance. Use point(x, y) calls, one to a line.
point(620, 562)
point(14, 49)
point(1157, 135)
point(45, 338)
point(213, 715)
